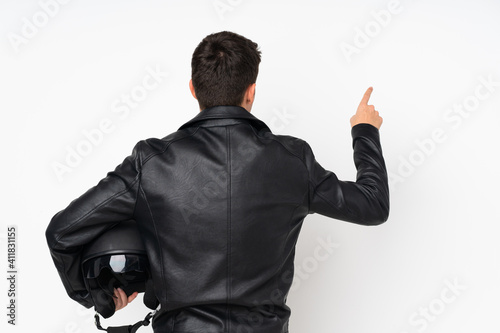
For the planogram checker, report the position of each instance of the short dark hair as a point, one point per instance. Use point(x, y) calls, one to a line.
point(224, 64)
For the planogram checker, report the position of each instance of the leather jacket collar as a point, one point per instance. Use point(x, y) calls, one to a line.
point(226, 112)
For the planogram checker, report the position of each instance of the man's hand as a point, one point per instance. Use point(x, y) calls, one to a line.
point(121, 299)
point(366, 114)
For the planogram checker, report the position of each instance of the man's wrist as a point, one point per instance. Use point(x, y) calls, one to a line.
point(365, 130)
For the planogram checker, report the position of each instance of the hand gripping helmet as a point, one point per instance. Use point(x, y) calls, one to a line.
point(117, 259)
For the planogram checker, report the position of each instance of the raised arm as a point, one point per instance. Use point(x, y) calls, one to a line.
point(365, 201)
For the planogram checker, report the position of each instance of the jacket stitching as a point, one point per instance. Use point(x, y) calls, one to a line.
point(228, 147)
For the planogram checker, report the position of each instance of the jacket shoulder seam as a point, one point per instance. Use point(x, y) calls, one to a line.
point(167, 145)
point(284, 147)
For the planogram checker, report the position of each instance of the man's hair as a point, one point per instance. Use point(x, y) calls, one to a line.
point(224, 64)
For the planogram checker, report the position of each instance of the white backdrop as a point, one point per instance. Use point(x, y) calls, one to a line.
point(83, 81)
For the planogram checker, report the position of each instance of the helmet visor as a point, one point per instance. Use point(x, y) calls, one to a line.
point(117, 263)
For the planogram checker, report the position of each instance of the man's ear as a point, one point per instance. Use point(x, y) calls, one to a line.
point(191, 87)
point(249, 97)
point(250, 94)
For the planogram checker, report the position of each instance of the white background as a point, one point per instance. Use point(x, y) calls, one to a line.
point(64, 69)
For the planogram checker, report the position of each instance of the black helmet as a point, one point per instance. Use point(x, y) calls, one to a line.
point(117, 259)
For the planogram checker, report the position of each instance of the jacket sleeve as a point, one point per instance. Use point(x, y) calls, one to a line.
point(365, 201)
point(111, 201)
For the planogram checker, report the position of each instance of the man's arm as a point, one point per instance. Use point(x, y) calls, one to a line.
point(365, 201)
point(101, 207)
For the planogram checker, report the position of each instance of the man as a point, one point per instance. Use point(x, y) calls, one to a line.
point(220, 203)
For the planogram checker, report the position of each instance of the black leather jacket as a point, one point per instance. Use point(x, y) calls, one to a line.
point(220, 204)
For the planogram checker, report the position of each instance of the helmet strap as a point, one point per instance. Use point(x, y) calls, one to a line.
point(126, 328)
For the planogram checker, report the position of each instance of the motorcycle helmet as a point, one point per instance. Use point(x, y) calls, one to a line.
point(117, 259)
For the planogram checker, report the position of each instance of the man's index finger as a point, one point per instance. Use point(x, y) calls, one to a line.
point(366, 96)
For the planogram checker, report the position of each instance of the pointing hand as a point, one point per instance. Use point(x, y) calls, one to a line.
point(366, 114)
